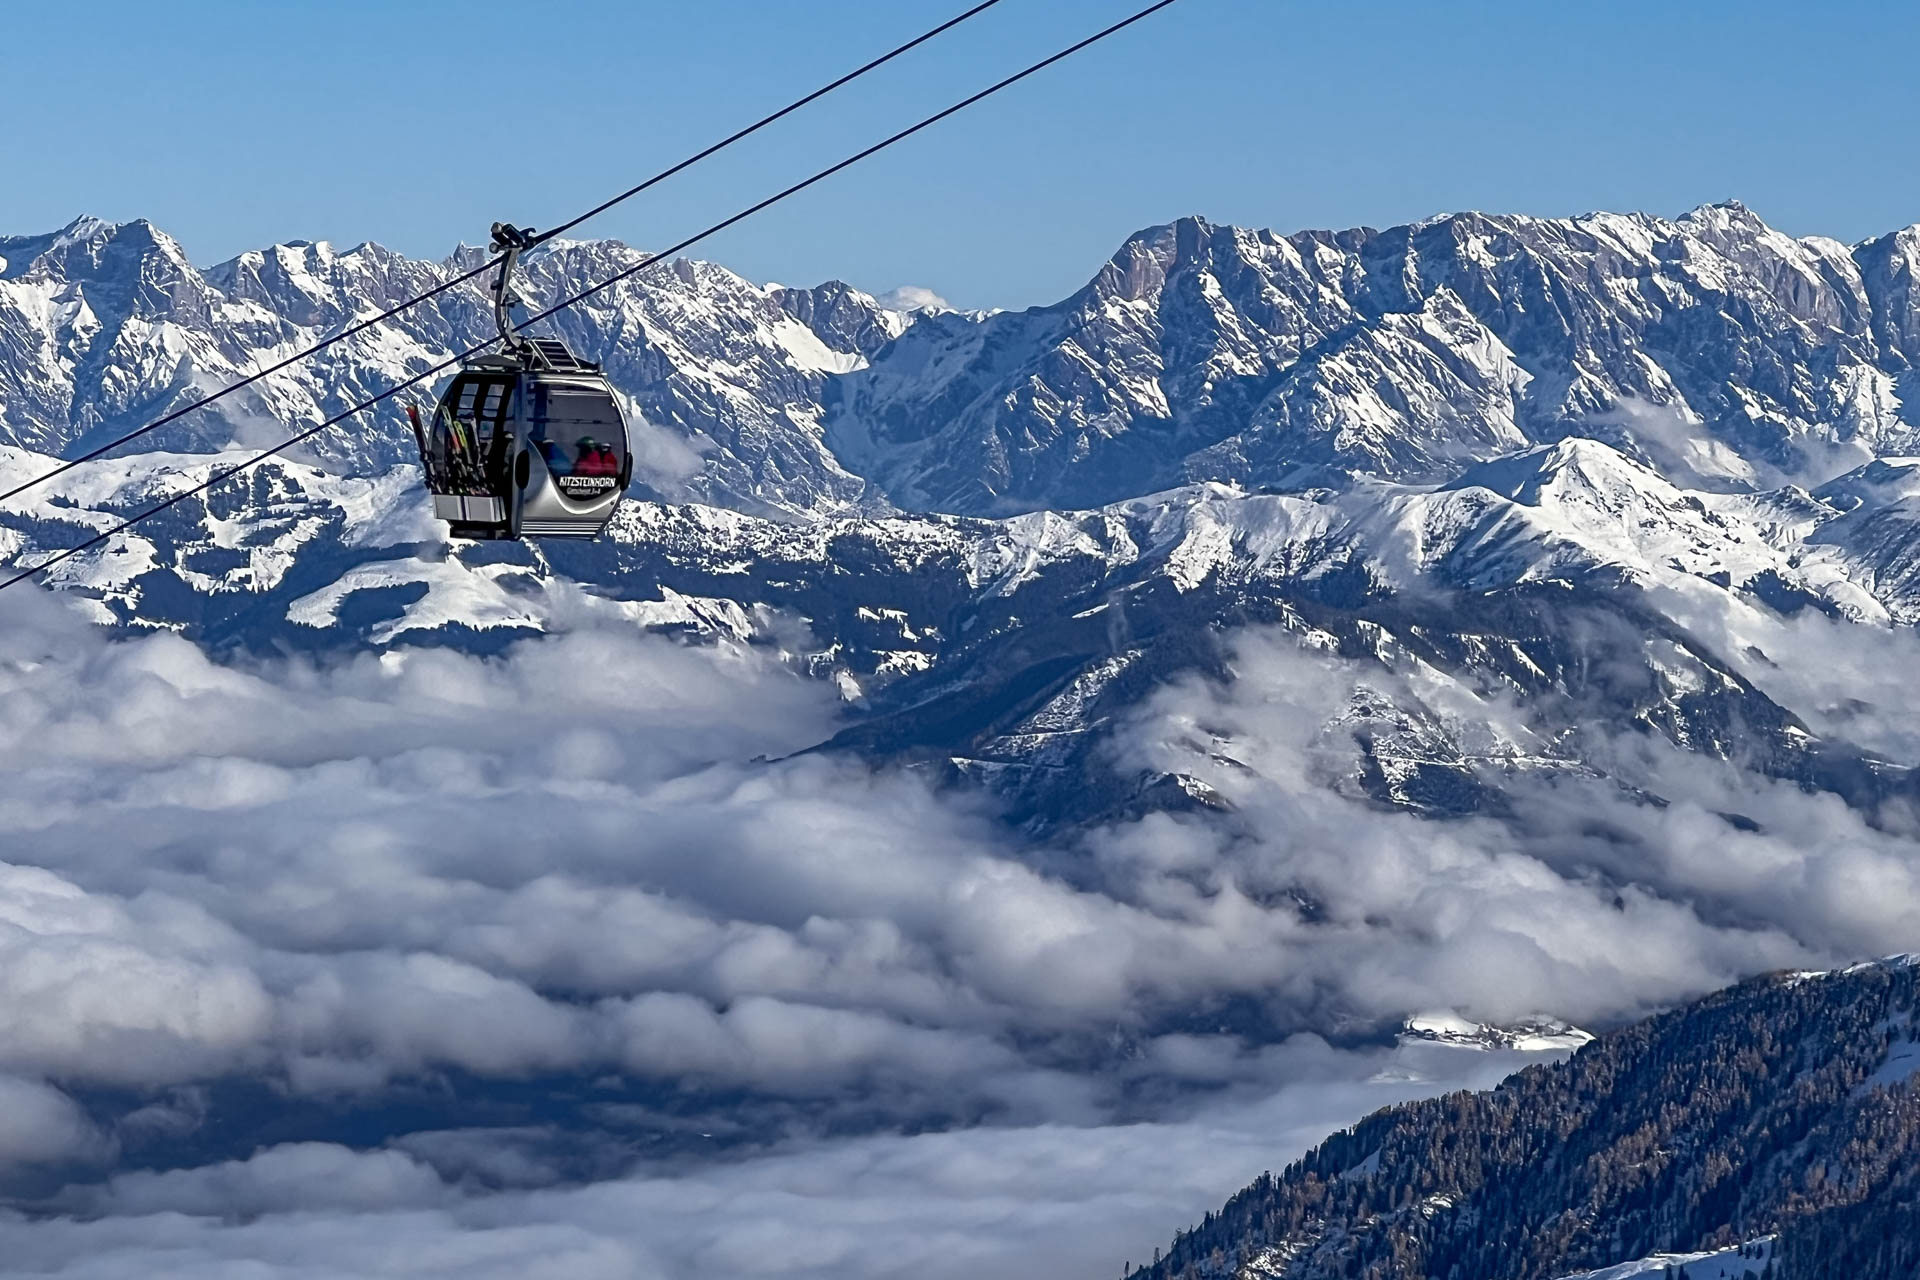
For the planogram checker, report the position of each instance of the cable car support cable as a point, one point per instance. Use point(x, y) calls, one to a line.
point(220, 477)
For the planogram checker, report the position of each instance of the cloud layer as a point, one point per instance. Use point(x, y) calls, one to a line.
point(561, 962)
point(1039, 1200)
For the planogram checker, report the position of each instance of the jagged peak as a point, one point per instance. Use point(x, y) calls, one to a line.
point(1445, 218)
point(1190, 230)
point(1525, 473)
point(1190, 224)
point(84, 227)
point(87, 227)
point(466, 256)
point(289, 254)
point(1142, 263)
point(321, 250)
point(1879, 481)
point(1902, 240)
point(1193, 229)
point(1723, 215)
point(577, 243)
point(49, 253)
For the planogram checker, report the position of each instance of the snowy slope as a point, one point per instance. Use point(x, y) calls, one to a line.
point(1010, 648)
point(1536, 1035)
point(1737, 1263)
point(1563, 511)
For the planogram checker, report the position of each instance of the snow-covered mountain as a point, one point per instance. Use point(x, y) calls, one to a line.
point(1009, 649)
point(1469, 455)
point(1537, 1035)
point(105, 327)
point(1728, 354)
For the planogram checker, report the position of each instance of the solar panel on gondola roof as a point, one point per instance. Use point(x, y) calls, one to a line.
point(558, 357)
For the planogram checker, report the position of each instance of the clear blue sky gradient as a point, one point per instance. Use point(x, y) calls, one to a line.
point(236, 124)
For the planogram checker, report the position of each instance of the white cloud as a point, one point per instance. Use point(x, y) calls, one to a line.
point(302, 1177)
point(109, 993)
point(419, 880)
point(1043, 1200)
point(912, 297)
point(41, 1125)
point(1589, 902)
point(1685, 449)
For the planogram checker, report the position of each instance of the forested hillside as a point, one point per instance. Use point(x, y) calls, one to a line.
point(1784, 1105)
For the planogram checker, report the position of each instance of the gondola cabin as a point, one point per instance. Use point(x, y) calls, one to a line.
point(526, 445)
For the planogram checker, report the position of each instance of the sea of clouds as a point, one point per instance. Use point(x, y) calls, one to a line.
point(575, 962)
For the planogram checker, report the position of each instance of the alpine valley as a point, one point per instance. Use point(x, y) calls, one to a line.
point(1597, 537)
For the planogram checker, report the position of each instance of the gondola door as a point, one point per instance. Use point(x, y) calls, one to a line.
point(468, 449)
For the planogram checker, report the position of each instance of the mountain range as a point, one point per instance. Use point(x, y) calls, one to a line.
point(1566, 513)
point(1000, 529)
point(1489, 449)
point(1726, 354)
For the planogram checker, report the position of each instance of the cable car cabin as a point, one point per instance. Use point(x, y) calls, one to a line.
point(528, 445)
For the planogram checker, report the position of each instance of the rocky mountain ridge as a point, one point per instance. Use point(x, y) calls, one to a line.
point(1712, 346)
point(1721, 352)
point(105, 327)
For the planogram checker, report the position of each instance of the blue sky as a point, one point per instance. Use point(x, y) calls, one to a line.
point(236, 124)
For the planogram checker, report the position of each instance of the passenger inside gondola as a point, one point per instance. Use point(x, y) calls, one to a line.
point(591, 458)
point(581, 437)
